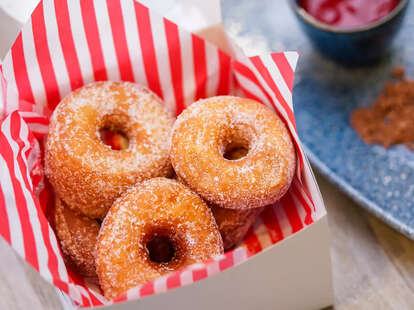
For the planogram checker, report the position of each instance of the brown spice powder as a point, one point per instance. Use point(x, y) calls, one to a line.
point(390, 120)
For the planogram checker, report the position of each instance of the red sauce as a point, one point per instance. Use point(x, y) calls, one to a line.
point(348, 13)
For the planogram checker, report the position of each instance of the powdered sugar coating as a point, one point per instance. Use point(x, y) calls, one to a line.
point(234, 224)
point(77, 235)
point(87, 174)
point(157, 206)
point(200, 135)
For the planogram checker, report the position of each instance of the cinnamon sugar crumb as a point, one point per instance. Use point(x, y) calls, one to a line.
point(398, 73)
point(390, 120)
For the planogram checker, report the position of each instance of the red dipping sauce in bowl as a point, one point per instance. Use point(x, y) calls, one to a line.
point(348, 13)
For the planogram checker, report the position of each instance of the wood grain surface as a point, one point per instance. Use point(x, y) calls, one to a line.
point(373, 265)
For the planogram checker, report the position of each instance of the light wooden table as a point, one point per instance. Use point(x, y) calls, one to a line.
point(373, 265)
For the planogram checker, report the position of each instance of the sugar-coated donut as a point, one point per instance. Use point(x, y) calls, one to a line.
point(77, 235)
point(155, 228)
point(234, 224)
point(208, 134)
point(89, 175)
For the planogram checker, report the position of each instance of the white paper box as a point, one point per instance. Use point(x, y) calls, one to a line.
point(294, 274)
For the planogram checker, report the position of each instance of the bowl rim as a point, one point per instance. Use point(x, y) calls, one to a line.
point(305, 16)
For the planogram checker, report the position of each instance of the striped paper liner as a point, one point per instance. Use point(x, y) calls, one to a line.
point(69, 43)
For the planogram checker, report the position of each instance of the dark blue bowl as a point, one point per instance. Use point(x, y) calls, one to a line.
point(355, 46)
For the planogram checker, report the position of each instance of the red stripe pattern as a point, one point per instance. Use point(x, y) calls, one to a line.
point(148, 49)
point(94, 43)
point(120, 43)
point(20, 70)
point(174, 52)
point(195, 68)
point(200, 66)
point(43, 56)
point(285, 69)
point(68, 45)
point(225, 80)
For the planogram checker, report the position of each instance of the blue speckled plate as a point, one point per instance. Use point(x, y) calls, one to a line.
point(324, 96)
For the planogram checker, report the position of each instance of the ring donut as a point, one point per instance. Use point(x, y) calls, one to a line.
point(234, 224)
point(155, 228)
point(209, 130)
point(89, 175)
point(77, 235)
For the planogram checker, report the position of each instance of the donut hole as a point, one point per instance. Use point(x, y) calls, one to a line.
point(164, 246)
point(237, 143)
point(113, 132)
point(235, 151)
point(161, 249)
point(117, 140)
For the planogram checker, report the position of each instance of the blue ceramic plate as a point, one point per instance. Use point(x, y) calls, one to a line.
point(324, 96)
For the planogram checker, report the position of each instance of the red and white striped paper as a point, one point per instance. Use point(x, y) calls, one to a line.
point(69, 43)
